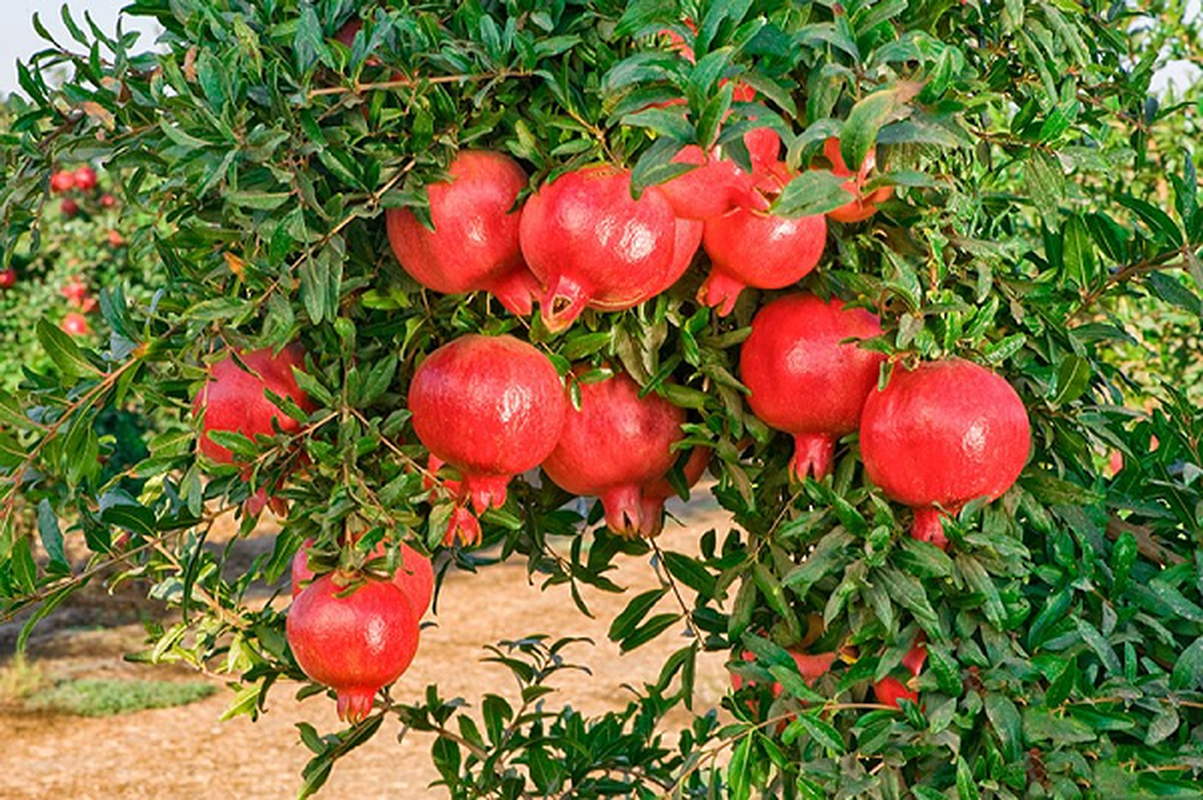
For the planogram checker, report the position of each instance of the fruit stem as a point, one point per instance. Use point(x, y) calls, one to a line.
point(355, 703)
point(929, 527)
point(563, 303)
point(624, 509)
point(721, 290)
point(517, 291)
point(813, 453)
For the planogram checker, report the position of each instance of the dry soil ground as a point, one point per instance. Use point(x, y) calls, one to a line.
point(186, 752)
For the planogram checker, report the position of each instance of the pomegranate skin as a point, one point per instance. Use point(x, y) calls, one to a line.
point(615, 444)
point(686, 242)
point(863, 205)
point(941, 435)
point(490, 406)
point(414, 576)
point(474, 244)
point(889, 690)
point(234, 400)
point(714, 188)
point(356, 644)
point(749, 248)
point(803, 380)
point(655, 493)
point(592, 245)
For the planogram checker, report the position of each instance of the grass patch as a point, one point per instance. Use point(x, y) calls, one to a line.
point(92, 697)
point(19, 679)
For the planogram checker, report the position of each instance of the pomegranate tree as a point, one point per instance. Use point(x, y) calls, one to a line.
point(943, 434)
point(611, 447)
point(491, 407)
point(800, 348)
point(354, 634)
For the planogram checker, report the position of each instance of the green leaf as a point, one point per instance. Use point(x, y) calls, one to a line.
point(812, 193)
point(1188, 670)
point(980, 581)
point(966, 785)
point(858, 135)
point(1040, 725)
point(52, 537)
point(626, 622)
point(63, 350)
point(1005, 720)
point(1099, 645)
point(690, 572)
point(821, 731)
point(1073, 378)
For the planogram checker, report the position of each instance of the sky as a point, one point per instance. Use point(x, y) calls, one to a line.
point(18, 40)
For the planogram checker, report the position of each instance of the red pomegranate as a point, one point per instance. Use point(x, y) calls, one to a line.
point(714, 188)
point(76, 291)
point(685, 246)
point(356, 640)
point(85, 179)
point(614, 445)
point(764, 251)
point(62, 181)
point(474, 244)
point(414, 576)
point(234, 400)
point(8, 278)
point(490, 406)
point(659, 490)
point(75, 324)
point(810, 666)
point(941, 435)
point(795, 351)
point(69, 208)
point(107, 201)
point(889, 690)
point(863, 205)
point(593, 245)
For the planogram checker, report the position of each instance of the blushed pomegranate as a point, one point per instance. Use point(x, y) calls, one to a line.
point(614, 445)
point(685, 246)
point(474, 244)
point(85, 179)
point(354, 640)
point(62, 181)
point(804, 380)
point(490, 406)
point(715, 187)
point(8, 278)
point(810, 666)
point(941, 435)
point(414, 576)
point(593, 245)
point(75, 324)
point(889, 690)
point(655, 493)
point(863, 205)
point(234, 400)
point(757, 249)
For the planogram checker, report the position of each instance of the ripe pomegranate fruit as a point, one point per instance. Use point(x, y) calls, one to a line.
point(614, 445)
point(656, 492)
point(714, 188)
point(75, 324)
point(490, 406)
point(941, 435)
point(62, 181)
point(234, 400)
point(685, 246)
point(863, 205)
point(414, 576)
point(76, 291)
point(593, 245)
point(8, 278)
point(85, 179)
point(757, 249)
point(794, 352)
point(810, 666)
point(889, 690)
point(474, 244)
point(356, 640)
point(107, 201)
point(69, 208)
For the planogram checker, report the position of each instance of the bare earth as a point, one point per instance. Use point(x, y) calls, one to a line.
point(186, 752)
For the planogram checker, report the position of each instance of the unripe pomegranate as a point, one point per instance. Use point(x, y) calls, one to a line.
point(474, 244)
point(614, 445)
point(62, 181)
point(863, 205)
point(234, 400)
point(85, 179)
point(414, 576)
point(752, 248)
point(941, 435)
point(804, 380)
point(490, 406)
point(8, 278)
point(75, 324)
point(593, 245)
point(656, 492)
point(356, 642)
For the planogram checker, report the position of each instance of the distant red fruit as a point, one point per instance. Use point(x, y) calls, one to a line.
point(76, 292)
point(85, 179)
point(8, 278)
point(107, 201)
point(864, 205)
point(62, 181)
point(75, 324)
point(889, 690)
point(116, 239)
point(69, 208)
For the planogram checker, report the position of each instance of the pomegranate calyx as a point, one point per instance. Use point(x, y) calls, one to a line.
point(813, 454)
point(486, 491)
point(720, 290)
point(563, 303)
point(624, 509)
point(355, 703)
point(464, 526)
point(517, 291)
point(929, 527)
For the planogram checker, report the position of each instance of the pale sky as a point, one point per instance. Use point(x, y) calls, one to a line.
point(18, 39)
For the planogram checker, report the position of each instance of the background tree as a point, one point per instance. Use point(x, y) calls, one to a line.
point(1038, 193)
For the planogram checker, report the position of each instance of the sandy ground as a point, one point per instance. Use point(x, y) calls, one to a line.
point(186, 752)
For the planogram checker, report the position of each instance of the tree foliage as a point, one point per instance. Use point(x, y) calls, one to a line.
point(1038, 189)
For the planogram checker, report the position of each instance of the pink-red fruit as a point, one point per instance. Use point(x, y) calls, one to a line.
point(594, 246)
point(8, 278)
point(233, 399)
point(805, 379)
point(715, 187)
point(414, 576)
point(941, 435)
point(757, 249)
point(355, 641)
point(613, 446)
point(474, 244)
point(75, 324)
point(864, 204)
point(656, 492)
point(490, 406)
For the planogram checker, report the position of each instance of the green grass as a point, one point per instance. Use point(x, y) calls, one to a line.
point(91, 697)
point(19, 679)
